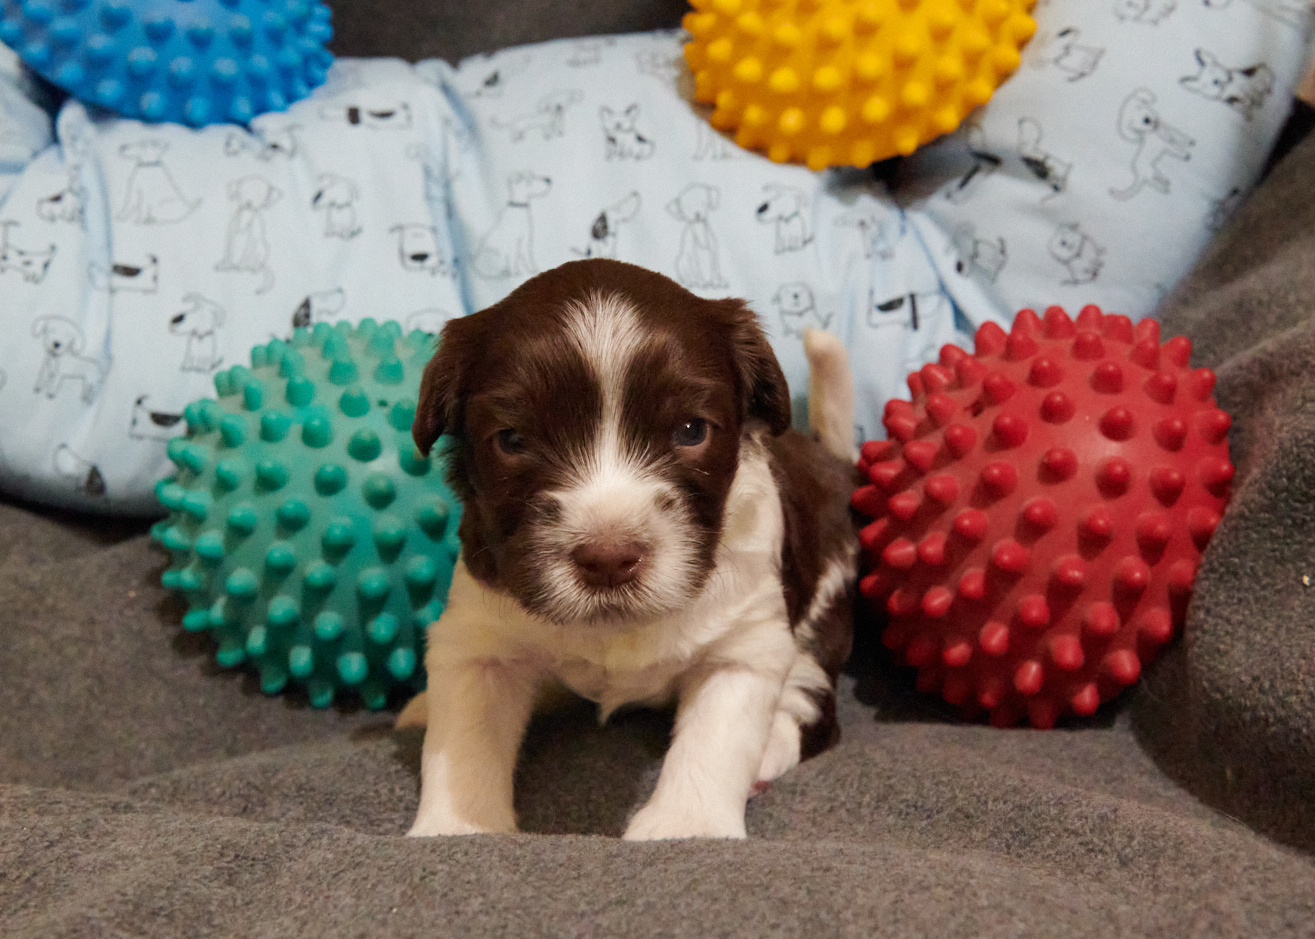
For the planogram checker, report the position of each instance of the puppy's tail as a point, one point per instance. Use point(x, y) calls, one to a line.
point(830, 393)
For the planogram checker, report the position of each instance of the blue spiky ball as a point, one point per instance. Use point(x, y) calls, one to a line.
point(193, 62)
point(308, 534)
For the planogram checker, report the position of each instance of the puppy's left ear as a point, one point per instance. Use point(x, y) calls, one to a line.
point(438, 410)
point(766, 395)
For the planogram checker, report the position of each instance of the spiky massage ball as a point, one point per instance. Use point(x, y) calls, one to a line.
point(307, 532)
point(1040, 509)
point(849, 82)
point(190, 61)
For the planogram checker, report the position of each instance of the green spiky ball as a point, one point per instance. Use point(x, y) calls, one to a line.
point(308, 534)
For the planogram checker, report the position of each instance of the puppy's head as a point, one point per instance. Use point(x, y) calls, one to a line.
point(596, 417)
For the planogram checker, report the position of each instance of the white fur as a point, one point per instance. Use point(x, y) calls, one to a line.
point(725, 658)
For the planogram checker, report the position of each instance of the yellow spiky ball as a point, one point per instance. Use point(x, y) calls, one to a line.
point(849, 82)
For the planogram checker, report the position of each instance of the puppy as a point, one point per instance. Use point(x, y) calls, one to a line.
point(641, 526)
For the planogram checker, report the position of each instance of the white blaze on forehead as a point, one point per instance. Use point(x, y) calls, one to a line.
point(608, 334)
point(615, 494)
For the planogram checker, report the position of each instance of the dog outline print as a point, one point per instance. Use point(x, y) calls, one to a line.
point(698, 262)
point(1065, 52)
point(246, 247)
point(604, 233)
point(418, 249)
point(30, 265)
point(548, 116)
point(507, 249)
point(199, 322)
point(63, 363)
point(1044, 165)
point(975, 255)
point(265, 144)
point(494, 82)
point(149, 424)
point(335, 198)
point(1242, 89)
point(151, 196)
point(1078, 252)
point(65, 205)
point(1140, 123)
point(322, 306)
point(872, 232)
point(623, 139)
point(911, 317)
point(666, 68)
point(900, 310)
point(798, 310)
point(1150, 12)
point(396, 116)
point(125, 277)
point(786, 210)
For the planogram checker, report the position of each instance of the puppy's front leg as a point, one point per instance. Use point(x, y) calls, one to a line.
point(478, 711)
point(722, 725)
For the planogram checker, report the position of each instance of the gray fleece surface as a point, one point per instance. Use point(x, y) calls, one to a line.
point(1230, 712)
point(145, 792)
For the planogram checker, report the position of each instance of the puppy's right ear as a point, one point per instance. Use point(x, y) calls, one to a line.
point(438, 410)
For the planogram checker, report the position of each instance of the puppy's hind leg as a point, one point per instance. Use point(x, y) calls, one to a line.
point(807, 690)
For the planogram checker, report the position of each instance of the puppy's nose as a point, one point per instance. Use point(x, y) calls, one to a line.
point(608, 563)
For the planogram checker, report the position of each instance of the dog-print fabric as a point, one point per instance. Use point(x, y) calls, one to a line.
point(1121, 144)
point(136, 260)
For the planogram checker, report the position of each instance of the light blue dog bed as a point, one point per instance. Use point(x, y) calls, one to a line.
point(137, 260)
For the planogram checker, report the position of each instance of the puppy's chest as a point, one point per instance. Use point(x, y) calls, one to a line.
point(621, 678)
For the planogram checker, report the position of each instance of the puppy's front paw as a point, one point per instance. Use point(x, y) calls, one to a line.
point(441, 814)
point(657, 823)
point(430, 826)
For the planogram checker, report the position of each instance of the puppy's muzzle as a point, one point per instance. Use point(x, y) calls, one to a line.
point(605, 564)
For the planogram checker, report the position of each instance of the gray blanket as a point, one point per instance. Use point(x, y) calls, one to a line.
point(145, 792)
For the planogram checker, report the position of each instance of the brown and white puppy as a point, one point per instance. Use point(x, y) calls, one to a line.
point(640, 525)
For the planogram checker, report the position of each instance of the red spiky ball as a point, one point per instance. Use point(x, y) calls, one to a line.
point(1040, 509)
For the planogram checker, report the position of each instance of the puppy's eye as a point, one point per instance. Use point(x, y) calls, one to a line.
point(691, 433)
point(510, 442)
